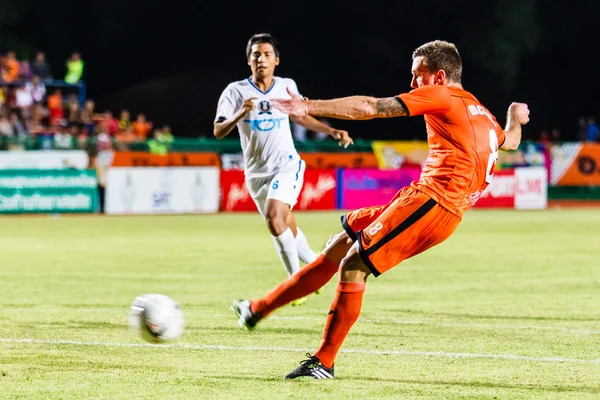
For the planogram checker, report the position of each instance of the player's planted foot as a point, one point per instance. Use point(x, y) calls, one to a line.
point(247, 318)
point(311, 369)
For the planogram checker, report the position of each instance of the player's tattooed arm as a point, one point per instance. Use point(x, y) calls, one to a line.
point(390, 107)
point(354, 108)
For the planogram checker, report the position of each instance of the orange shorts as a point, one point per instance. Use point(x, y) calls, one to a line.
point(409, 224)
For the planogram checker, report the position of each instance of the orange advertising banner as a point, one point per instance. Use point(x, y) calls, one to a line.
point(339, 160)
point(575, 164)
point(142, 159)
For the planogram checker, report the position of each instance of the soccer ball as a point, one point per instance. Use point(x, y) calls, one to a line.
point(156, 318)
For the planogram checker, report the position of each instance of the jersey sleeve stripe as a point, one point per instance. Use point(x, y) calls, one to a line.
point(403, 105)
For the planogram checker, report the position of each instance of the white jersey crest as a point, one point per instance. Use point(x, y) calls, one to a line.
point(265, 134)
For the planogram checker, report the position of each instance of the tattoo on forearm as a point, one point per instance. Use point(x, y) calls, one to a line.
point(390, 107)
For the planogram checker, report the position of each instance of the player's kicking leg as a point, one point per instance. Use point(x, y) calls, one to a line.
point(308, 280)
point(314, 275)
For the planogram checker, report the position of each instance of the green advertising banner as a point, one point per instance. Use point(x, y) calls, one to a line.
point(48, 191)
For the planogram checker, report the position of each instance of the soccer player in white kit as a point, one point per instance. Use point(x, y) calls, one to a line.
point(273, 168)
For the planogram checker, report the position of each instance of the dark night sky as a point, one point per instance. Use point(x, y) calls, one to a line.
point(172, 59)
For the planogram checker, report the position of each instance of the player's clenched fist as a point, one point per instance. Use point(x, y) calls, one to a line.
point(521, 111)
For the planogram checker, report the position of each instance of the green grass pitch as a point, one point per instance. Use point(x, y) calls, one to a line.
point(507, 308)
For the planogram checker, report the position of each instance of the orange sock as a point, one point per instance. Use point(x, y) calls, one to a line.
point(306, 281)
point(342, 315)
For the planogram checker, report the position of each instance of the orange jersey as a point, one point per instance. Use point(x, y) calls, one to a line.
point(463, 138)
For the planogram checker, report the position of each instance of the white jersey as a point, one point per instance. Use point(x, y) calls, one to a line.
point(265, 133)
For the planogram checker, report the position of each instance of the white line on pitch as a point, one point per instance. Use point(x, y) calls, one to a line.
point(440, 354)
point(441, 324)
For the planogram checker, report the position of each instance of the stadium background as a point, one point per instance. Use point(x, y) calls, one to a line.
point(175, 73)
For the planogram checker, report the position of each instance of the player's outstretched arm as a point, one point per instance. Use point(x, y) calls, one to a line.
point(517, 115)
point(357, 108)
point(353, 107)
point(313, 124)
point(223, 127)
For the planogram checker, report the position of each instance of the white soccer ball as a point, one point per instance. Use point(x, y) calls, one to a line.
point(156, 318)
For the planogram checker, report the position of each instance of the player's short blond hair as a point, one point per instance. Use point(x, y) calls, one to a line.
point(441, 55)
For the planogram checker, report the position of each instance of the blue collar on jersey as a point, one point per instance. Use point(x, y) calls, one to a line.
point(256, 87)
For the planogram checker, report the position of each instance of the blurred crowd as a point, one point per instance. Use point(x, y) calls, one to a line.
point(548, 137)
point(18, 72)
point(40, 112)
point(588, 130)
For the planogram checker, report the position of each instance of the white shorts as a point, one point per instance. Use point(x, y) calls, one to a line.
point(284, 186)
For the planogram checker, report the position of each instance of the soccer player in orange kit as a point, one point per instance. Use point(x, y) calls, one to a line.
point(463, 138)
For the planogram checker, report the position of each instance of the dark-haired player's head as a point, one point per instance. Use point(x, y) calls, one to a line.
point(263, 55)
point(436, 63)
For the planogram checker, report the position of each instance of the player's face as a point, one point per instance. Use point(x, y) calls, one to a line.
point(263, 60)
point(420, 73)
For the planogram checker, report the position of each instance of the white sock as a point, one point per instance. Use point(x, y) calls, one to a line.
point(304, 251)
point(285, 244)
